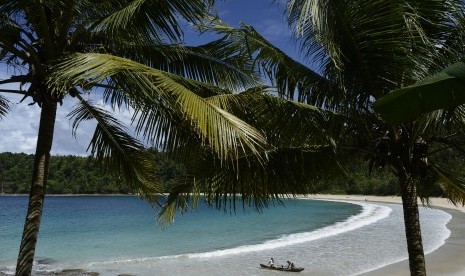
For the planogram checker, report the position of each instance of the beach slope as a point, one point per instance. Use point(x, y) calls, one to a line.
point(447, 260)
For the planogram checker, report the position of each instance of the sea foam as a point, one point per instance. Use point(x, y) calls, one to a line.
point(370, 213)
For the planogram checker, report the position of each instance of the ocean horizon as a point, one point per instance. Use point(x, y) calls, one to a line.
point(115, 235)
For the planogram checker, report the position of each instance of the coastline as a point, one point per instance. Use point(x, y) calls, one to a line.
point(446, 260)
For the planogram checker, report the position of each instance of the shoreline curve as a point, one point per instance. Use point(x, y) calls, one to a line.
point(447, 260)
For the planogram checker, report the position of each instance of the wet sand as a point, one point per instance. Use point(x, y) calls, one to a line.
point(447, 260)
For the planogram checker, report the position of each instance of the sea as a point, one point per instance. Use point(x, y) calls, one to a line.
point(119, 235)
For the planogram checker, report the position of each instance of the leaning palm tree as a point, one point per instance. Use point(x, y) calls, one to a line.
point(299, 156)
point(254, 175)
point(362, 50)
point(161, 83)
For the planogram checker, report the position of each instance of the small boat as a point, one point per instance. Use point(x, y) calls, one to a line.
point(283, 268)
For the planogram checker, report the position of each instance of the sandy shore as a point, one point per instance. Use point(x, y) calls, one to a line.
point(447, 260)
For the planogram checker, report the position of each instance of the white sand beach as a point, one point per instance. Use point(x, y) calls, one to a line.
point(447, 260)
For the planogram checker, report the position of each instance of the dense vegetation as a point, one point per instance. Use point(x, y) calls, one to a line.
point(73, 174)
point(81, 175)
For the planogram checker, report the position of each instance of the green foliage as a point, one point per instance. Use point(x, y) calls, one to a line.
point(81, 175)
point(76, 175)
point(13, 169)
point(444, 90)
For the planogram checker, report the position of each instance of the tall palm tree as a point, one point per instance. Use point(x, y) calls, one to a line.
point(362, 50)
point(160, 82)
point(369, 48)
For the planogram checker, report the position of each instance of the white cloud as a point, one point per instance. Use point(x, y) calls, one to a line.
point(18, 130)
point(64, 143)
point(23, 141)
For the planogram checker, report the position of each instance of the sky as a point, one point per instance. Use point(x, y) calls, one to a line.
point(18, 130)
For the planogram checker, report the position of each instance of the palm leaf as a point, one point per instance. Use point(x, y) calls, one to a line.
point(294, 80)
point(12, 44)
point(357, 43)
point(441, 124)
point(223, 132)
point(117, 151)
point(301, 156)
point(286, 172)
point(4, 106)
point(452, 184)
point(444, 90)
point(285, 123)
point(152, 19)
point(203, 63)
point(11, 6)
point(341, 28)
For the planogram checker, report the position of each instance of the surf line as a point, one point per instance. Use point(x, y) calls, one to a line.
point(370, 213)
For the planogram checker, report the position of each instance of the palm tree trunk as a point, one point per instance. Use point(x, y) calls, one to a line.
point(412, 227)
point(38, 187)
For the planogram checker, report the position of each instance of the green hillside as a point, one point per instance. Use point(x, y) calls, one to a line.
point(72, 174)
point(81, 175)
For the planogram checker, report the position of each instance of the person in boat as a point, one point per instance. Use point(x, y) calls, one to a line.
point(290, 265)
point(271, 262)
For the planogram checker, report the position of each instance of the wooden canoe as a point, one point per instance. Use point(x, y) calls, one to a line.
point(283, 268)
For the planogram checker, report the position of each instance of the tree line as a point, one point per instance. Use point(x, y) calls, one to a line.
point(81, 175)
point(75, 174)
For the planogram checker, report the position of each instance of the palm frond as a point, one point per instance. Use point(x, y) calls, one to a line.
point(452, 184)
point(451, 33)
point(223, 132)
point(285, 123)
point(152, 19)
point(444, 90)
point(302, 154)
point(12, 45)
point(117, 151)
point(203, 63)
point(287, 172)
point(312, 19)
point(10, 6)
point(441, 124)
point(358, 43)
point(294, 80)
point(4, 106)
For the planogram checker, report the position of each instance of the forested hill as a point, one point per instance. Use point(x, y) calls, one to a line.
point(71, 174)
point(81, 175)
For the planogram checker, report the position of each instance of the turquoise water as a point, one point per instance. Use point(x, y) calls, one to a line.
point(114, 235)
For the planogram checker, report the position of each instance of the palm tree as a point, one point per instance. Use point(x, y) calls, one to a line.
point(160, 82)
point(361, 50)
point(369, 48)
point(253, 175)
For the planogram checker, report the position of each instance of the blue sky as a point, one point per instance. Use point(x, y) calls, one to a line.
point(266, 16)
point(18, 130)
